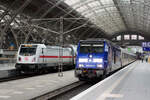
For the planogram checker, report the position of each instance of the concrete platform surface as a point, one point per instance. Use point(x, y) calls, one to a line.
point(7, 66)
point(130, 83)
point(7, 70)
point(25, 89)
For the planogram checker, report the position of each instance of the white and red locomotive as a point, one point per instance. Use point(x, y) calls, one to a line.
point(36, 57)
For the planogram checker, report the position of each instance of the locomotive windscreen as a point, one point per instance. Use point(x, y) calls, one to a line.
point(28, 50)
point(91, 48)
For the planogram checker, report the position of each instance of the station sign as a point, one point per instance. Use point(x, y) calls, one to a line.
point(146, 46)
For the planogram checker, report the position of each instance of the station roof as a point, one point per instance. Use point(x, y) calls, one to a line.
point(103, 13)
point(107, 16)
point(115, 16)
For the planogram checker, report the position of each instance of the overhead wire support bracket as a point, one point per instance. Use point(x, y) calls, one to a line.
point(60, 67)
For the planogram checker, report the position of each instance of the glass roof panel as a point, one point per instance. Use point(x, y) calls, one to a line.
point(104, 2)
point(88, 14)
point(71, 2)
point(139, 0)
point(81, 9)
point(111, 9)
point(125, 0)
point(103, 13)
point(94, 4)
point(100, 11)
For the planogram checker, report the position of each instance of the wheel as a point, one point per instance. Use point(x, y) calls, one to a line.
point(110, 70)
point(19, 72)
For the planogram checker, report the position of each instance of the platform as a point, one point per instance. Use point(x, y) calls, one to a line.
point(7, 66)
point(28, 88)
point(7, 70)
point(130, 83)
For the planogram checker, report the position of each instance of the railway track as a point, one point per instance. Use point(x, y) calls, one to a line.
point(58, 92)
point(55, 93)
point(64, 93)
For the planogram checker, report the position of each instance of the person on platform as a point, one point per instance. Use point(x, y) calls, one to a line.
point(142, 59)
point(146, 59)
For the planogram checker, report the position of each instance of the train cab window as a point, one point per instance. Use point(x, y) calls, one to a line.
point(97, 49)
point(92, 48)
point(85, 48)
point(27, 51)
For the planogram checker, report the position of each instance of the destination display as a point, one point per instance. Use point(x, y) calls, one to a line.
point(146, 46)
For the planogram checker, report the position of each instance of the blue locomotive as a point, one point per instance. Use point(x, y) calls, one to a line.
point(99, 57)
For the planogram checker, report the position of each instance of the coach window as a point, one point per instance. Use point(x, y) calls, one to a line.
point(114, 57)
point(109, 50)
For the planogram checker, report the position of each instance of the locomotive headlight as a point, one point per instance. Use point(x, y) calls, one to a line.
point(90, 56)
point(81, 65)
point(83, 60)
point(100, 60)
point(99, 65)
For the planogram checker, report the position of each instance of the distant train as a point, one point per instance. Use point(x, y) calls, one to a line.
point(39, 57)
point(98, 57)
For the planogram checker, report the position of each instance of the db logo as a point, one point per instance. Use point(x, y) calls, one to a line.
point(26, 58)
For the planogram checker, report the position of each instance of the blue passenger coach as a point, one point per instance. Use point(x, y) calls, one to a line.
point(96, 57)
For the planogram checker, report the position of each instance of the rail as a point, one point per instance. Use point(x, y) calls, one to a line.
point(57, 92)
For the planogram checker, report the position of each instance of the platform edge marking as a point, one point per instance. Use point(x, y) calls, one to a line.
point(109, 90)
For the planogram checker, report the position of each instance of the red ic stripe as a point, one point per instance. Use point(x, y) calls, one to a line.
point(55, 56)
point(48, 56)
